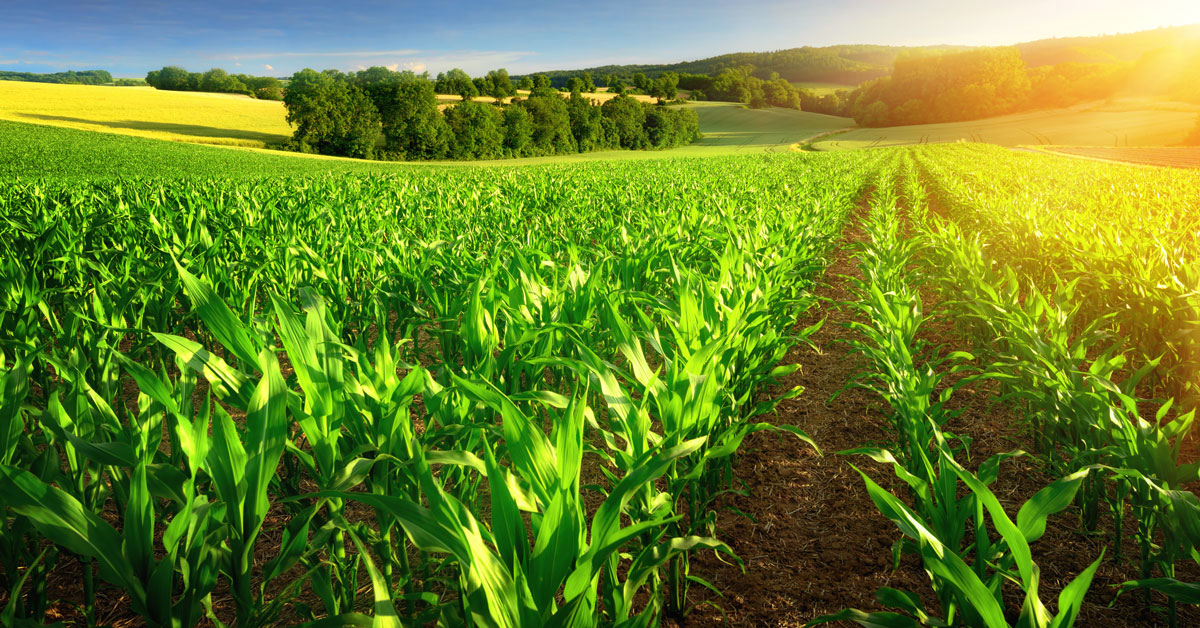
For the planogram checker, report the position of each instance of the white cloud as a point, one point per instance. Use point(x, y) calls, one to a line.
point(8, 62)
point(238, 64)
point(268, 66)
point(393, 67)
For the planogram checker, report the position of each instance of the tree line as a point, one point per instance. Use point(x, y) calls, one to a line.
point(976, 84)
point(382, 114)
point(844, 64)
point(740, 85)
point(82, 77)
point(216, 80)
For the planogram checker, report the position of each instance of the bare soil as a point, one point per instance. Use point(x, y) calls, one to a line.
point(817, 544)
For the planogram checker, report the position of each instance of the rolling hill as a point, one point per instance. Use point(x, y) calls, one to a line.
point(1119, 123)
point(849, 65)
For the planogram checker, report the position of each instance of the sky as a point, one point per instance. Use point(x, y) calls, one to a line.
point(276, 37)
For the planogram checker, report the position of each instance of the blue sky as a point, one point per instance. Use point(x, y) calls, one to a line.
point(277, 37)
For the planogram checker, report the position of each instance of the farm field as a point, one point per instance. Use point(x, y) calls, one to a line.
point(1135, 123)
point(224, 119)
point(601, 95)
point(33, 150)
point(198, 117)
point(820, 89)
point(598, 361)
point(1174, 157)
point(579, 393)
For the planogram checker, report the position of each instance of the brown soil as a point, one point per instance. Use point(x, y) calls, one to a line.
point(817, 544)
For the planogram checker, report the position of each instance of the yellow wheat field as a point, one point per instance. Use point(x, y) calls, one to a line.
point(223, 119)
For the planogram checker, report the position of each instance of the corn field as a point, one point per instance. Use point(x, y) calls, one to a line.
point(516, 396)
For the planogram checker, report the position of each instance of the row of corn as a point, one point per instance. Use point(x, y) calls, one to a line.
point(462, 397)
point(977, 557)
point(1076, 358)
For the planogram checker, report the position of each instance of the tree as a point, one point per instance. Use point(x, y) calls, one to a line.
point(628, 118)
point(875, 114)
point(263, 87)
point(375, 75)
point(585, 122)
point(574, 85)
point(946, 88)
point(331, 115)
point(729, 86)
point(780, 93)
point(478, 130)
point(501, 85)
point(170, 77)
point(218, 80)
point(665, 87)
point(412, 125)
point(456, 82)
point(518, 131)
point(659, 125)
point(215, 80)
point(551, 122)
point(541, 80)
point(641, 82)
point(589, 85)
point(483, 87)
point(525, 84)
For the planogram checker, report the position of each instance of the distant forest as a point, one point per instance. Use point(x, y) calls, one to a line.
point(82, 77)
point(843, 65)
point(988, 82)
point(216, 80)
point(887, 86)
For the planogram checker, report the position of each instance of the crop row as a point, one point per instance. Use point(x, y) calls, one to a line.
point(505, 397)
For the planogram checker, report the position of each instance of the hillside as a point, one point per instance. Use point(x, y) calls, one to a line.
point(841, 65)
point(1123, 47)
point(1120, 123)
point(854, 64)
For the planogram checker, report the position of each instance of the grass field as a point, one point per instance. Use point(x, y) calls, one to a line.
point(730, 129)
point(1171, 156)
point(37, 151)
point(222, 119)
point(821, 89)
point(1127, 123)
